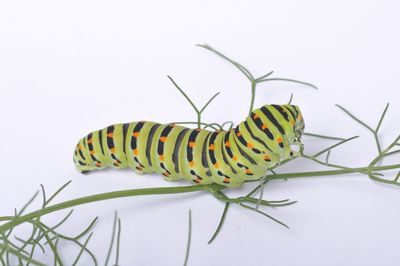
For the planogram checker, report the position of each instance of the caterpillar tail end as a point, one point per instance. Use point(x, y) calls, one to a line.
point(82, 163)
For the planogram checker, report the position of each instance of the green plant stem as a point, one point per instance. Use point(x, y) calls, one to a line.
point(382, 154)
point(322, 136)
point(333, 172)
point(253, 95)
point(21, 256)
point(112, 239)
point(198, 120)
point(175, 190)
point(254, 81)
point(103, 196)
point(189, 239)
point(198, 112)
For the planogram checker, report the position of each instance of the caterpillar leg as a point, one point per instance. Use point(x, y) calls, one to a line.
point(138, 167)
point(82, 159)
point(299, 146)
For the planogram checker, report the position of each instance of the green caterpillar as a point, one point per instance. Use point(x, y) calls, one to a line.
point(228, 158)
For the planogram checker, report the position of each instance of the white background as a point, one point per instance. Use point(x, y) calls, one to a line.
point(67, 68)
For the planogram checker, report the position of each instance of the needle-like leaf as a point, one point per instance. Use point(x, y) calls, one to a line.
point(189, 239)
point(221, 223)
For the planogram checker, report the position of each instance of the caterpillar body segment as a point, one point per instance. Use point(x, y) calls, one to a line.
point(228, 158)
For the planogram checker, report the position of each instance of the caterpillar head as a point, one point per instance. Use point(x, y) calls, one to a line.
point(299, 123)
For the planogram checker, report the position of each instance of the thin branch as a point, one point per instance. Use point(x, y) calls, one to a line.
point(397, 177)
point(63, 220)
point(322, 136)
point(118, 242)
point(355, 118)
point(291, 98)
point(87, 230)
point(327, 156)
point(290, 80)
point(22, 256)
point(392, 152)
point(184, 94)
point(382, 154)
point(52, 246)
point(27, 204)
point(265, 214)
point(104, 196)
point(112, 239)
point(264, 76)
point(241, 68)
point(333, 146)
point(43, 196)
point(58, 192)
point(82, 249)
point(226, 123)
point(221, 223)
point(209, 101)
point(189, 239)
point(378, 144)
point(382, 117)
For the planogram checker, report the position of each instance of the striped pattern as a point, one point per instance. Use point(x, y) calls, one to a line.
point(229, 158)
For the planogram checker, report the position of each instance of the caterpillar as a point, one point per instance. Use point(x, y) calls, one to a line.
point(226, 157)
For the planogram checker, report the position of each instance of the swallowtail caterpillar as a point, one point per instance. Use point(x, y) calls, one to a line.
point(229, 158)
